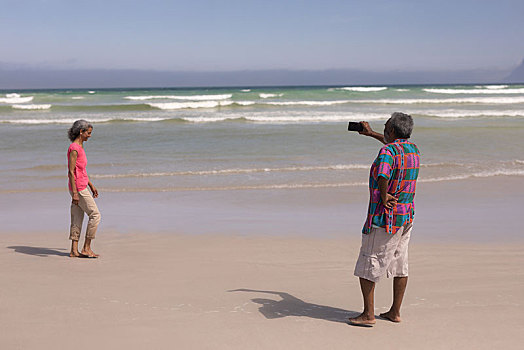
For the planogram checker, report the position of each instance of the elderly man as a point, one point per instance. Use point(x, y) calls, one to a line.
point(387, 229)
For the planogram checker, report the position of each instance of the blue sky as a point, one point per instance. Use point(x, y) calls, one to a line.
point(204, 35)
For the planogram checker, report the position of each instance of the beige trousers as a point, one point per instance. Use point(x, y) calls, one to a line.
point(86, 204)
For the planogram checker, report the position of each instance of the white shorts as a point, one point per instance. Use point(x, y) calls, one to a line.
point(382, 253)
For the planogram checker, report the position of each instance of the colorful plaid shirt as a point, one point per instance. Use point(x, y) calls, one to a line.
point(398, 162)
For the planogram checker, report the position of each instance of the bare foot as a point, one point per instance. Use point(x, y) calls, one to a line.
point(390, 316)
point(75, 255)
point(89, 254)
point(362, 321)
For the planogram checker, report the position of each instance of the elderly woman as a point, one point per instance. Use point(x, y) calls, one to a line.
point(83, 201)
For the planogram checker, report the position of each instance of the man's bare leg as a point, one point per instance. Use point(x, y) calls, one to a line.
point(399, 287)
point(87, 249)
point(367, 317)
point(74, 249)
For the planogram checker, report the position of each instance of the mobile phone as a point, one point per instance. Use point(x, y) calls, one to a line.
point(354, 126)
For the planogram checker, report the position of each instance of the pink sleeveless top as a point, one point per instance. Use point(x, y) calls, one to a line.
point(80, 172)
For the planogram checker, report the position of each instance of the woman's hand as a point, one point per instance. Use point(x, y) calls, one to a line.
point(93, 190)
point(76, 198)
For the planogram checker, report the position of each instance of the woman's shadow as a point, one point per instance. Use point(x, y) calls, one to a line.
point(293, 306)
point(38, 251)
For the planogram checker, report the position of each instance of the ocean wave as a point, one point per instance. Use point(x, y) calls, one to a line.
point(470, 114)
point(77, 97)
point(270, 95)
point(15, 98)
point(333, 167)
point(246, 90)
point(31, 107)
point(190, 105)
point(492, 86)
point(315, 118)
point(92, 120)
point(465, 100)
point(485, 174)
point(49, 121)
point(307, 103)
point(481, 174)
point(175, 97)
point(91, 92)
point(476, 91)
point(228, 188)
point(245, 103)
point(236, 171)
point(362, 88)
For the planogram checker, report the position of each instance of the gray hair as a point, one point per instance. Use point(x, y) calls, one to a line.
point(77, 128)
point(402, 124)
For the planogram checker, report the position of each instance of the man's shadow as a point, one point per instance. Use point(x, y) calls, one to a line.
point(38, 251)
point(292, 306)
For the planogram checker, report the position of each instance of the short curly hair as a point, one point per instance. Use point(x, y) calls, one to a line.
point(77, 128)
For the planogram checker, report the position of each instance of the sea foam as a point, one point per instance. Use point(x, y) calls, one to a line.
point(176, 97)
point(15, 98)
point(465, 100)
point(270, 95)
point(362, 88)
point(498, 90)
point(234, 171)
point(190, 105)
point(307, 103)
point(466, 113)
point(32, 107)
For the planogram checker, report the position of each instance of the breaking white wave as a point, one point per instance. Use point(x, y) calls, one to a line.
point(31, 107)
point(176, 97)
point(492, 86)
point(402, 90)
point(91, 92)
point(208, 119)
point(465, 100)
point(285, 185)
point(481, 174)
point(45, 121)
point(15, 98)
point(77, 97)
point(238, 171)
point(465, 113)
point(307, 103)
point(246, 90)
point(70, 121)
point(288, 119)
point(270, 95)
point(245, 103)
point(235, 188)
point(190, 105)
point(362, 88)
point(315, 118)
point(476, 91)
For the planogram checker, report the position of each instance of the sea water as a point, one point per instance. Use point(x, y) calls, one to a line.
point(169, 140)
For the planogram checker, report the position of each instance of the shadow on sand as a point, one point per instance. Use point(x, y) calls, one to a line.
point(39, 251)
point(292, 306)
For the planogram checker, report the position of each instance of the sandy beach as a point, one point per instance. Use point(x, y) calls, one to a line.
point(276, 289)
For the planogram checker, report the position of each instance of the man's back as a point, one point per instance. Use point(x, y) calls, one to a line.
point(398, 162)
